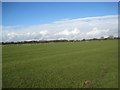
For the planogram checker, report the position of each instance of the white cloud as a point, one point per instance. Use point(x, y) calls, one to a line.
point(89, 27)
point(67, 32)
point(44, 32)
point(95, 31)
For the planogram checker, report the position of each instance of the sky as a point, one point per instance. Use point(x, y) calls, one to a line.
point(60, 0)
point(58, 20)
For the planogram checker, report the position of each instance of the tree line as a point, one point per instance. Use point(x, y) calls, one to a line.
point(46, 41)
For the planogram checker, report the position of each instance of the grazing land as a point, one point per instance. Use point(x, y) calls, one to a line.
point(85, 64)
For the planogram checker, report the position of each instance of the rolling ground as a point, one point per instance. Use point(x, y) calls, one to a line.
point(92, 64)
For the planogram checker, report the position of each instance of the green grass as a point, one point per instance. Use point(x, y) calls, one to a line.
point(61, 65)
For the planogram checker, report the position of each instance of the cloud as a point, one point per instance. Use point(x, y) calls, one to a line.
point(67, 32)
point(89, 27)
point(95, 31)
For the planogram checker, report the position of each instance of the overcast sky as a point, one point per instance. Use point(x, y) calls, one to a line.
point(58, 20)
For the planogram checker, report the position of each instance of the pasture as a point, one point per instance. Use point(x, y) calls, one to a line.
point(92, 64)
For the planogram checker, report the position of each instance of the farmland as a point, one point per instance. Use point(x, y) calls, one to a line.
point(61, 65)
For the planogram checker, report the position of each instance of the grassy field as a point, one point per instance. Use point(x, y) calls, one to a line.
point(92, 64)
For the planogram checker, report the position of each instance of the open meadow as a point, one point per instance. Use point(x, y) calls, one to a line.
point(85, 64)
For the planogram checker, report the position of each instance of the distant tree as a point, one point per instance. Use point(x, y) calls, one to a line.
point(94, 38)
point(83, 40)
point(71, 40)
point(116, 38)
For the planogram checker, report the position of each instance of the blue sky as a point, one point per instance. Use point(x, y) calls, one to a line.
point(23, 21)
point(60, 0)
point(34, 13)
